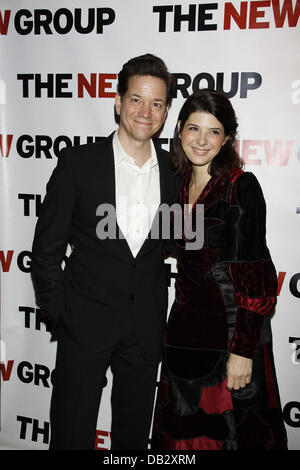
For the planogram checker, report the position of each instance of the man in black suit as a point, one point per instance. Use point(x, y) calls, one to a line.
point(109, 305)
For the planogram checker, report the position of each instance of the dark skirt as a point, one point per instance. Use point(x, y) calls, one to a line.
point(195, 411)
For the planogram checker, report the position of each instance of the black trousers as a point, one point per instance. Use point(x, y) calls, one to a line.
point(77, 387)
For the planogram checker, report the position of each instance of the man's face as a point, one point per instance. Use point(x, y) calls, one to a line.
point(142, 109)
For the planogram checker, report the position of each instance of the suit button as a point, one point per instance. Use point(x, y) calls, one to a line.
point(131, 296)
point(133, 266)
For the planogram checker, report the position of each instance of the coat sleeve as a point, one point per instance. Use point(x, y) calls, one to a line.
point(251, 268)
point(51, 238)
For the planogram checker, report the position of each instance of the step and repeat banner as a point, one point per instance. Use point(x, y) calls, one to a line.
point(59, 63)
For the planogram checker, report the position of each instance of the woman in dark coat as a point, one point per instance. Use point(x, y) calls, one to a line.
point(218, 387)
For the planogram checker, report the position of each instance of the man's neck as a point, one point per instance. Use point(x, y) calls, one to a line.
point(139, 151)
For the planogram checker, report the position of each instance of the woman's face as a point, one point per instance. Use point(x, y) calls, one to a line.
point(202, 138)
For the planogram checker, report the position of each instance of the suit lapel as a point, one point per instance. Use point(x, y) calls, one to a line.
point(108, 194)
point(162, 176)
point(163, 192)
point(107, 169)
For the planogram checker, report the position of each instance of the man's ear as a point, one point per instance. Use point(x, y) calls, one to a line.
point(118, 104)
point(166, 111)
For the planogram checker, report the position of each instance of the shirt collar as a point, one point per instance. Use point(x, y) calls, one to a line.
point(121, 155)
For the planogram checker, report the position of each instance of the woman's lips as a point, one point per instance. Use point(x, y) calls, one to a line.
point(200, 152)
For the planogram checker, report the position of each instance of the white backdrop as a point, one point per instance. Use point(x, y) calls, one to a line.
point(56, 88)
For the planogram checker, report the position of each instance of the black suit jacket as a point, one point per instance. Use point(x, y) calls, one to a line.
point(101, 280)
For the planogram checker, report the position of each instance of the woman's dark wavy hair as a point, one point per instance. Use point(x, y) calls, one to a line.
point(213, 102)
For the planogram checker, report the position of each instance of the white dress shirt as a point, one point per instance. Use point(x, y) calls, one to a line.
point(137, 195)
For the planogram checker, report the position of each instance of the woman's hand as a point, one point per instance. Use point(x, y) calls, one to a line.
point(239, 371)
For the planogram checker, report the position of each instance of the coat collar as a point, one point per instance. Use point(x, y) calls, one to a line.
point(107, 168)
